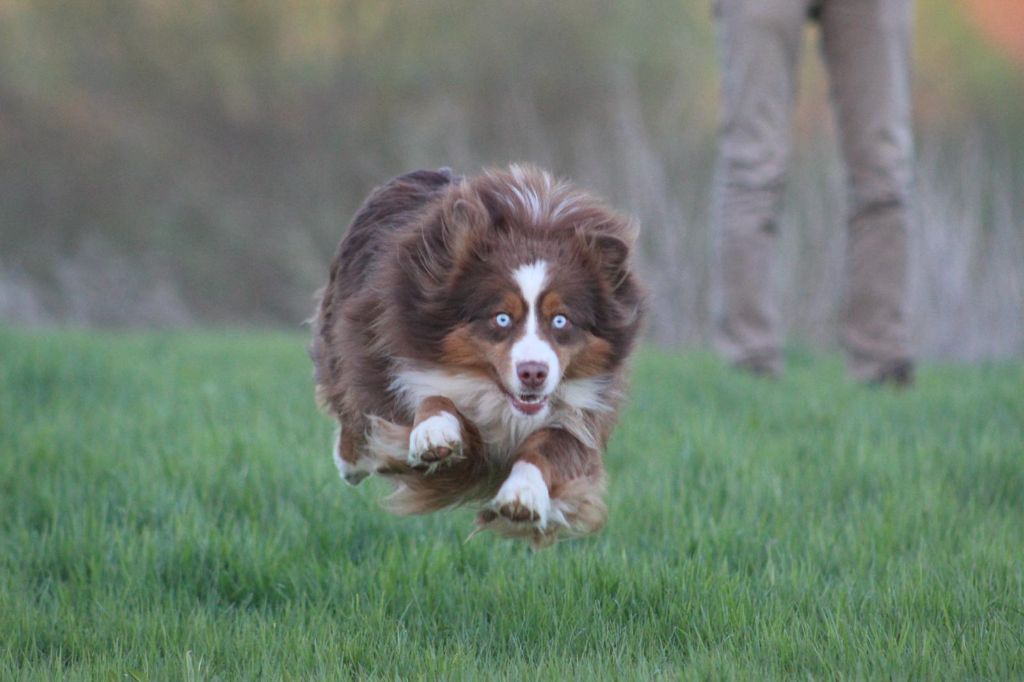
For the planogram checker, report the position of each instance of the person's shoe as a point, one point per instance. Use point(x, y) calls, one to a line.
point(898, 374)
point(763, 366)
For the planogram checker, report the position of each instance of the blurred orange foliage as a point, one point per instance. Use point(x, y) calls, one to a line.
point(1003, 22)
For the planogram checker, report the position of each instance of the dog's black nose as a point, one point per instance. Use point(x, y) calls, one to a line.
point(532, 374)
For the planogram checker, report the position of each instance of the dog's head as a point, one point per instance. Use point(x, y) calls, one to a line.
point(524, 280)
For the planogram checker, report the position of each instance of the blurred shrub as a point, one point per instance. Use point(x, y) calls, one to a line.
point(166, 162)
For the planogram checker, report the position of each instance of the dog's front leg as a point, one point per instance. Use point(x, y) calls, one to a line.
point(556, 486)
point(440, 434)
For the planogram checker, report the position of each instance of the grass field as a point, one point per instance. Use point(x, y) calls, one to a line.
point(169, 510)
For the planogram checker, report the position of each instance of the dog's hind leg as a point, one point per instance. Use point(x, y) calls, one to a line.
point(363, 450)
point(577, 505)
point(352, 468)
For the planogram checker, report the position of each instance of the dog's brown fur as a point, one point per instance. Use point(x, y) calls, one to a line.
point(411, 297)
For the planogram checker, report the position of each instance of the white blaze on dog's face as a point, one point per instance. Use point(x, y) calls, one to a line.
point(534, 369)
point(530, 324)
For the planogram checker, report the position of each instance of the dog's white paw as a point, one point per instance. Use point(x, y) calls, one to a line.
point(523, 497)
point(436, 439)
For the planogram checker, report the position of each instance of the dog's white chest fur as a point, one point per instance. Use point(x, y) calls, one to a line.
point(502, 427)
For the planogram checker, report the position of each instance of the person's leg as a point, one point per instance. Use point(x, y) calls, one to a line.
point(867, 50)
point(759, 42)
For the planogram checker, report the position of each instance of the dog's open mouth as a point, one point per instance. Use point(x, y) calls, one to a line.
point(529, 403)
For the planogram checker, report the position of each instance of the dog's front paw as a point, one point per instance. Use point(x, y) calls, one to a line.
point(435, 440)
point(523, 497)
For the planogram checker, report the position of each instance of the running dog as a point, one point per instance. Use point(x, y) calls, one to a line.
point(472, 343)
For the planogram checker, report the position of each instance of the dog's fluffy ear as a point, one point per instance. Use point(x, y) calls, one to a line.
point(609, 245)
point(450, 235)
point(613, 258)
point(611, 248)
point(464, 224)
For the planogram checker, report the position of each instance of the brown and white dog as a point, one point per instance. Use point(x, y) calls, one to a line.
point(471, 342)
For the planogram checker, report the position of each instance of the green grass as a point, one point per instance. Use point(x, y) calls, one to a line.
point(169, 510)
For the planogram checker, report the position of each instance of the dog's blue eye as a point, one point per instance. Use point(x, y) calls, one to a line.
point(559, 322)
point(503, 320)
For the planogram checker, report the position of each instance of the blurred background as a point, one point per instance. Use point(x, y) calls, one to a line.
point(185, 162)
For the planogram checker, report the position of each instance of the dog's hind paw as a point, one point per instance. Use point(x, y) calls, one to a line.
point(353, 474)
point(434, 441)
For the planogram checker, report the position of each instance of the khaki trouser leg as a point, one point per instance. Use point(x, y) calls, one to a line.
point(866, 45)
point(759, 42)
